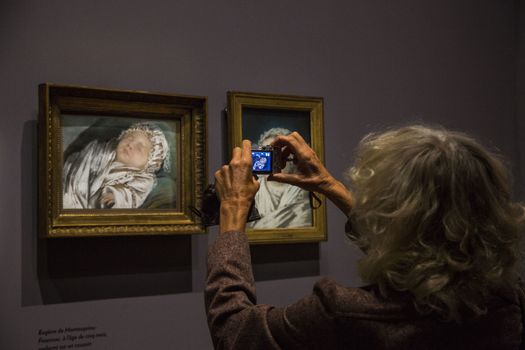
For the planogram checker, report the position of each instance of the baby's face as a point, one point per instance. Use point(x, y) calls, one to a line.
point(133, 149)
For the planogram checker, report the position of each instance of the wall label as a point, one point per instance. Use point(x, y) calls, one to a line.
point(70, 338)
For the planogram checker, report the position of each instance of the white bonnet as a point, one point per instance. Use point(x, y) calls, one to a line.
point(160, 152)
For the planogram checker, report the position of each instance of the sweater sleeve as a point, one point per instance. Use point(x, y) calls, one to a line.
point(235, 319)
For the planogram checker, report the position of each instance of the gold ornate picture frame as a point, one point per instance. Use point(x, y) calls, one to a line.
point(117, 162)
point(288, 214)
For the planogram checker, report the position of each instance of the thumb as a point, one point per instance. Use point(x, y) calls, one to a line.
point(292, 179)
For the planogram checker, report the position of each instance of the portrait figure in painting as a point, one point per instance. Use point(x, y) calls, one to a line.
point(115, 172)
point(280, 205)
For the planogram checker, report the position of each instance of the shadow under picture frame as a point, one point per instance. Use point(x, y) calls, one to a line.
point(118, 162)
point(287, 213)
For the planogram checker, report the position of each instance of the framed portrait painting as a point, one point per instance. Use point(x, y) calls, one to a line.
point(288, 214)
point(114, 162)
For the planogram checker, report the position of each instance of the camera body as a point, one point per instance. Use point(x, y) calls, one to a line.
point(266, 160)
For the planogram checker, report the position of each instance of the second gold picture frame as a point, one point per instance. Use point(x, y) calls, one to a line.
point(287, 212)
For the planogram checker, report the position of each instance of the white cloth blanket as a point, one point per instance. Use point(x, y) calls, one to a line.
point(281, 206)
point(89, 173)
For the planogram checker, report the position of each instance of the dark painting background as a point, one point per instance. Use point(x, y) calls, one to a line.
point(255, 121)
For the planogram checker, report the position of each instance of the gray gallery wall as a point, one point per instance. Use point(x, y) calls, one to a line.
point(376, 63)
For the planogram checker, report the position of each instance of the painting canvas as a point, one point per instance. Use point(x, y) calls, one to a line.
point(279, 205)
point(286, 212)
point(119, 162)
point(112, 163)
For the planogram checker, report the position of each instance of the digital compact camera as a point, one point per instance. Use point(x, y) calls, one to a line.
point(266, 160)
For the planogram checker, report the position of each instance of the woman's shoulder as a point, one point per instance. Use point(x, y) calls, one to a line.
point(362, 302)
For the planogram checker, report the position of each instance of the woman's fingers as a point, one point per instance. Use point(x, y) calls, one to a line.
point(298, 137)
point(247, 151)
point(294, 140)
point(236, 154)
point(234, 179)
point(242, 156)
point(293, 144)
point(286, 141)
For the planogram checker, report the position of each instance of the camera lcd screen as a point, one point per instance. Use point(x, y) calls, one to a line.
point(261, 162)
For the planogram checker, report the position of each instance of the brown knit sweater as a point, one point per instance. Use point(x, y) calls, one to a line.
point(337, 317)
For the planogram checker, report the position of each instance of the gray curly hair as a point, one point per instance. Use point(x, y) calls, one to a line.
point(434, 214)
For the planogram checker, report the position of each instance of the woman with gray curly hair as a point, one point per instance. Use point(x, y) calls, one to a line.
point(432, 211)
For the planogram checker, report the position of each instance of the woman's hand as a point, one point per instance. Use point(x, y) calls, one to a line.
point(311, 174)
point(236, 188)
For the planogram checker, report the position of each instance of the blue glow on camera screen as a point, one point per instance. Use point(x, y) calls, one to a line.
point(261, 161)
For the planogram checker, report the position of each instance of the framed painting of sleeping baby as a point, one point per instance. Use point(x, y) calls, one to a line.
point(288, 214)
point(114, 162)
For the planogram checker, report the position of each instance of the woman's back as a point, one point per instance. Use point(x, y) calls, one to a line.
point(433, 213)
